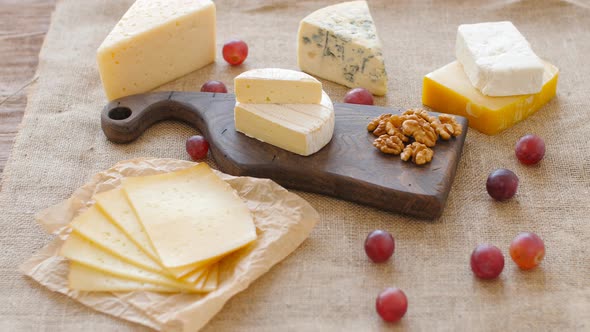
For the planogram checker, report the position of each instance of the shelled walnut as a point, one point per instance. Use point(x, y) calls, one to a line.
point(416, 127)
point(378, 125)
point(389, 144)
point(448, 126)
point(418, 152)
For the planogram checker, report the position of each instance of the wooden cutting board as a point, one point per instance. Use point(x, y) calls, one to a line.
point(349, 167)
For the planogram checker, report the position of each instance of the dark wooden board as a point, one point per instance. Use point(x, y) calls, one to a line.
point(349, 167)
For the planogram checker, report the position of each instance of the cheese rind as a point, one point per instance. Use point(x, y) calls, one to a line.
point(448, 90)
point(86, 279)
point(156, 42)
point(277, 86)
point(191, 215)
point(340, 43)
point(300, 128)
point(498, 60)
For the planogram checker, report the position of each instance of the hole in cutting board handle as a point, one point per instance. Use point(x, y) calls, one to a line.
point(119, 113)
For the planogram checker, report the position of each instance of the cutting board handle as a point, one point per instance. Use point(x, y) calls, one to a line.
point(123, 120)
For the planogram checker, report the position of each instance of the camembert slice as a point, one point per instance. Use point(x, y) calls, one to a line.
point(300, 128)
point(277, 86)
point(191, 215)
point(340, 43)
point(156, 42)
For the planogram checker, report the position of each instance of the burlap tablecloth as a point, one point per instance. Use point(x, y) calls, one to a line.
point(328, 284)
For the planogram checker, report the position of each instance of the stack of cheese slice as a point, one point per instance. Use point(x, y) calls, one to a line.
point(340, 43)
point(496, 81)
point(165, 233)
point(285, 108)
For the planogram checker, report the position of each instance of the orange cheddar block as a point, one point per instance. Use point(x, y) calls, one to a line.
point(448, 90)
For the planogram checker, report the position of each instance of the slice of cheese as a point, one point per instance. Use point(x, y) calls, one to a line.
point(114, 205)
point(190, 215)
point(448, 90)
point(93, 225)
point(85, 252)
point(156, 42)
point(210, 284)
point(340, 43)
point(300, 128)
point(86, 279)
point(498, 60)
point(197, 275)
point(277, 86)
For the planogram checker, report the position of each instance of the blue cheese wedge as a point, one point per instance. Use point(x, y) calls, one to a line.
point(498, 60)
point(339, 43)
point(300, 128)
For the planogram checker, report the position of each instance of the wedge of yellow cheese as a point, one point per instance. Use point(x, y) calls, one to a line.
point(190, 216)
point(156, 42)
point(448, 90)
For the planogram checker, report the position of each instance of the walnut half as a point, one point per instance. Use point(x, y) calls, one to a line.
point(448, 126)
point(377, 125)
point(389, 144)
point(422, 131)
point(418, 152)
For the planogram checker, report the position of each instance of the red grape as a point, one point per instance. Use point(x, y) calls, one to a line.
point(487, 261)
point(527, 250)
point(359, 96)
point(502, 184)
point(235, 52)
point(197, 147)
point(379, 246)
point(214, 86)
point(530, 149)
point(392, 304)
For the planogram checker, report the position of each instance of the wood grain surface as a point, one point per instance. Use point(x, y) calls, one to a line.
point(348, 167)
point(23, 25)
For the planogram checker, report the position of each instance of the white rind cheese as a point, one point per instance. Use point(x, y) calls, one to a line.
point(340, 43)
point(277, 86)
point(156, 42)
point(498, 60)
point(300, 128)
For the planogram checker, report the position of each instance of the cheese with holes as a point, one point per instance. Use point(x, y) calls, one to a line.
point(82, 251)
point(277, 86)
point(340, 43)
point(156, 42)
point(114, 205)
point(93, 225)
point(448, 90)
point(300, 128)
point(190, 216)
point(86, 279)
point(498, 60)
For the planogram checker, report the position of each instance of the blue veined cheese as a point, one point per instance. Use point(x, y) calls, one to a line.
point(498, 60)
point(339, 43)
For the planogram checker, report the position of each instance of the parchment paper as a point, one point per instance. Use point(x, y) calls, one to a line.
point(283, 221)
